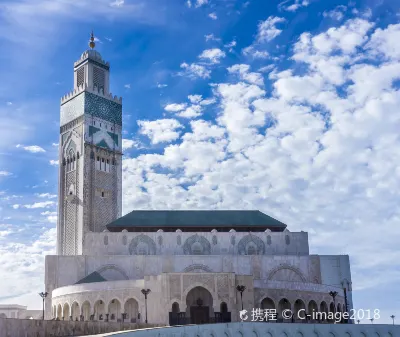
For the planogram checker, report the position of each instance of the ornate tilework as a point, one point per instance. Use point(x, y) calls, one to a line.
point(252, 240)
point(145, 240)
point(196, 239)
point(103, 108)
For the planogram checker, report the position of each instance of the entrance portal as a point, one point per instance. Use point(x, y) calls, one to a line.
point(199, 306)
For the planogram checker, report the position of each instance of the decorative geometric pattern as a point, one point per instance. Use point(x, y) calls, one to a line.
point(103, 108)
point(145, 240)
point(196, 245)
point(286, 273)
point(197, 268)
point(248, 242)
point(206, 279)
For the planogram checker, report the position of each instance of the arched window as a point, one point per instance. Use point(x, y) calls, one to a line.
point(223, 307)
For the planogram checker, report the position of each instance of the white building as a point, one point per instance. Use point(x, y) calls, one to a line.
point(192, 261)
point(19, 311)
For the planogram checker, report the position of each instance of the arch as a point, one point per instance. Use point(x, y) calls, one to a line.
point(66, 312)
point(286, 273)
point(59, 312)
point(199, 305)
point(196, 245)
point(99, 310)
point(142, 245)
point(197, 268)
point(85, 310)
point(299, 310)
point(75, 312)
point(324, 309)
point(339, 307)
point(312, 309)
point(175, 308)
point(283, 304)
point(251, 245)
point(3, 315)
point(268, 304)
point(112, 272)
point(223, 307)
point(114, 310)
point(331, 307)
point(131, 309)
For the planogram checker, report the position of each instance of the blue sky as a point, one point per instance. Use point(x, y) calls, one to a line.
point(287, 107)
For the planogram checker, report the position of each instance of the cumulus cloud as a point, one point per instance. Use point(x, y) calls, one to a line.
point(267, 29)
point(213, 16)
point(129, 143)
point(160, 131)
point(323, 139)
point(336, 14)
point(213, 55)
point(31, 148)
point(254, 53)
point(243, 70)
point(5, 173)
point(174, 107)
point(194, 70)
point(54, 162)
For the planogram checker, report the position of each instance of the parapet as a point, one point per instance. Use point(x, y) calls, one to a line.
point(93, 90)
point(94, 55)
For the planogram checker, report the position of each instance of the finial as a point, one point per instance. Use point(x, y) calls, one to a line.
point(91, 43)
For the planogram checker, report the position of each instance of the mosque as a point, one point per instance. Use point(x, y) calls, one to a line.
point(167, 267)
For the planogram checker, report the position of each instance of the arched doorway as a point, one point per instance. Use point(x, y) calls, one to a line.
point(268, 306)
point(299, 311)
point(75, 313)
point(324, 311)
point(114, 310)
point(99, 310)
point(131, 309)
point(199, 305)
point(59, 312)
point(66, 312)
point(283, 304)
point(312, 310)
point(86, 311)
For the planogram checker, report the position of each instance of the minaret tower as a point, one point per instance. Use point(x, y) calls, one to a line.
point(90, 186)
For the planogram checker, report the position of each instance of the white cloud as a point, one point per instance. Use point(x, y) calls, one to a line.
point(336, 14)
point(213, 55)
point(127, 86)
point(129, 143)
point(253, 52)
point(231, 45)
point(200, 3)
point(384, 43)
point(52, 219)
point(54, 162)
point(16, 206)
point(46, 195)
point(174, 107)
point(31, 148)
point(208, 101)
point(117, 3)
point(213, 16)
point(294, 6)
point(267, 30)
point(195, 98)
point(195, 70)
point(161, 85)
point(190, 112)
point(243, 70)
point(48, 213)
point(160, 131)
point(54, 144)
point(42, 204)
point(5, 173)
point(211, 37)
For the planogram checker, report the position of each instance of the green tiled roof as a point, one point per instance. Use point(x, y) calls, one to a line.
point(191, 219)
point(93, 277)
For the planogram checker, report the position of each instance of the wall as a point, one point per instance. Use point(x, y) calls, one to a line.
point(270, 330)
point(38, 328)
point(214, 243)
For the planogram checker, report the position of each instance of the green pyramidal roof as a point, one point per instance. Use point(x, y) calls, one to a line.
point(93, 277)
point(195, 221)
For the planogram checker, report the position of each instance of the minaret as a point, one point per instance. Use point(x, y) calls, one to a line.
point(90, 186)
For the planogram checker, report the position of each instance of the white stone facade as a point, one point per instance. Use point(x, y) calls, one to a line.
point(18, 311)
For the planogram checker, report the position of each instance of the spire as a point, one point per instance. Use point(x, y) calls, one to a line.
point(91, 43)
